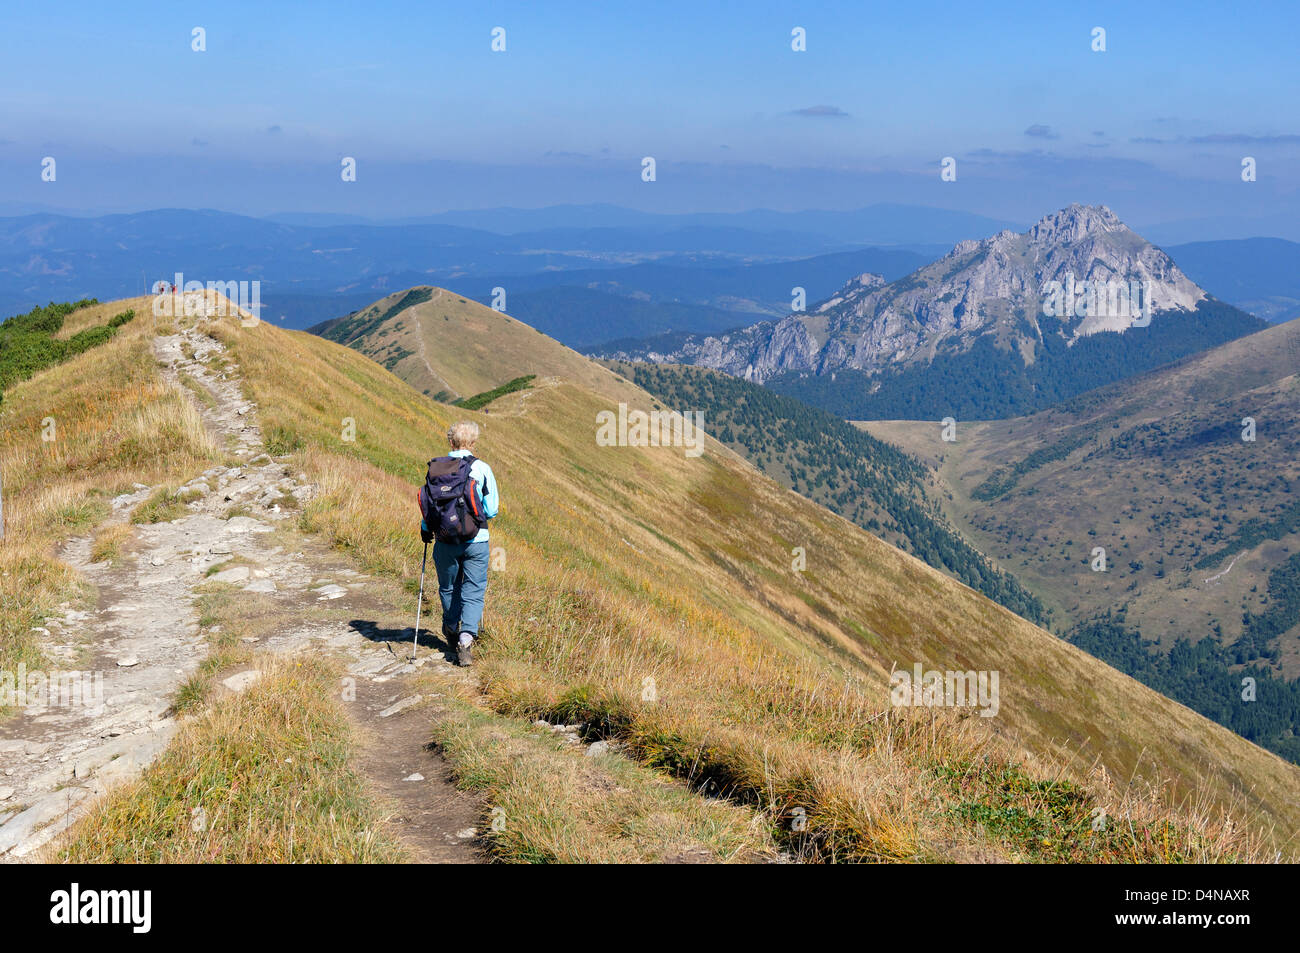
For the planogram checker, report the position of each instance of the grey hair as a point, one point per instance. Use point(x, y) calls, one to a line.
point(462, 434)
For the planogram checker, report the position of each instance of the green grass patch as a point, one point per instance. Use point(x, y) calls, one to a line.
point(479, 401)
point(163, 506)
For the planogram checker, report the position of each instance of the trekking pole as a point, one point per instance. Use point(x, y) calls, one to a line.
point(415, 642)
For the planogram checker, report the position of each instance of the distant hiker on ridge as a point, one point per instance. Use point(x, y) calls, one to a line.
point(458, 498)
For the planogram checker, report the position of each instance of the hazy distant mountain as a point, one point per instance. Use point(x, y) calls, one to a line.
point(1223, 228)
point(881, 224)
point(585, 317)
point(585, 307)
point(1259, 275)
point(317, 266)
point(758, 286)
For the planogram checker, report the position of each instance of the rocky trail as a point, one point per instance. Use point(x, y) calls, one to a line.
point(123, 661)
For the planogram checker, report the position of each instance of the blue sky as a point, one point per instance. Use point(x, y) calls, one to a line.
point(1156, 126)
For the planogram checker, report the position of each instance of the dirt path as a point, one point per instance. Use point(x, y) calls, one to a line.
point(142, 640)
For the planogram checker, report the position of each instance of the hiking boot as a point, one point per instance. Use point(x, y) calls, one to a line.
point(450, 634)
point(465, 650)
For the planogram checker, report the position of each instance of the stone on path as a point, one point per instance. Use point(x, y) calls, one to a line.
point(400, 706)
point(241, 681)
point(232, 575)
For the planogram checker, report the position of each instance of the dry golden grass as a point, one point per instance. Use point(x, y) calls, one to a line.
point(769, 685)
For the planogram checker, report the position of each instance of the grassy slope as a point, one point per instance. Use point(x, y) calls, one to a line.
point(115, 423)
point(826, 459)
point(650, 565)
point(1174, 486)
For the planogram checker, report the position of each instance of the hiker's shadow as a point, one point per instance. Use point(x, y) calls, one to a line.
point(395, 637)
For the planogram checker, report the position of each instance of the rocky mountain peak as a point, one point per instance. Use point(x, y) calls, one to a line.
point(1076, 272)
point(1073, 224)
point(854, 288)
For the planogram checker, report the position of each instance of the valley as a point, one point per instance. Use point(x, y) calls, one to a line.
point(1182, 481)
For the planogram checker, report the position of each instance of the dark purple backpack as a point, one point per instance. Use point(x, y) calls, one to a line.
point(449, 503)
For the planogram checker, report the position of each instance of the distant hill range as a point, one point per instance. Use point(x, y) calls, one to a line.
point(324, 262)
point(884, 223)
point(1006, 325)
point(569, 270)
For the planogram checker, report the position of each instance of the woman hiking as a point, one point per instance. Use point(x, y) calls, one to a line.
point(457, 500)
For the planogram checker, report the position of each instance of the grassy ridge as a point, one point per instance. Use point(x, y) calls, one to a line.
point(447, 347)
point(356, 326)
point(657, 600)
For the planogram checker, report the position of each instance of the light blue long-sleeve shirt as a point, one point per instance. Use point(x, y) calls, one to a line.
point(485, 484)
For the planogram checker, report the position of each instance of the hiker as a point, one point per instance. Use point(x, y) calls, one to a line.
point(457, 500)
